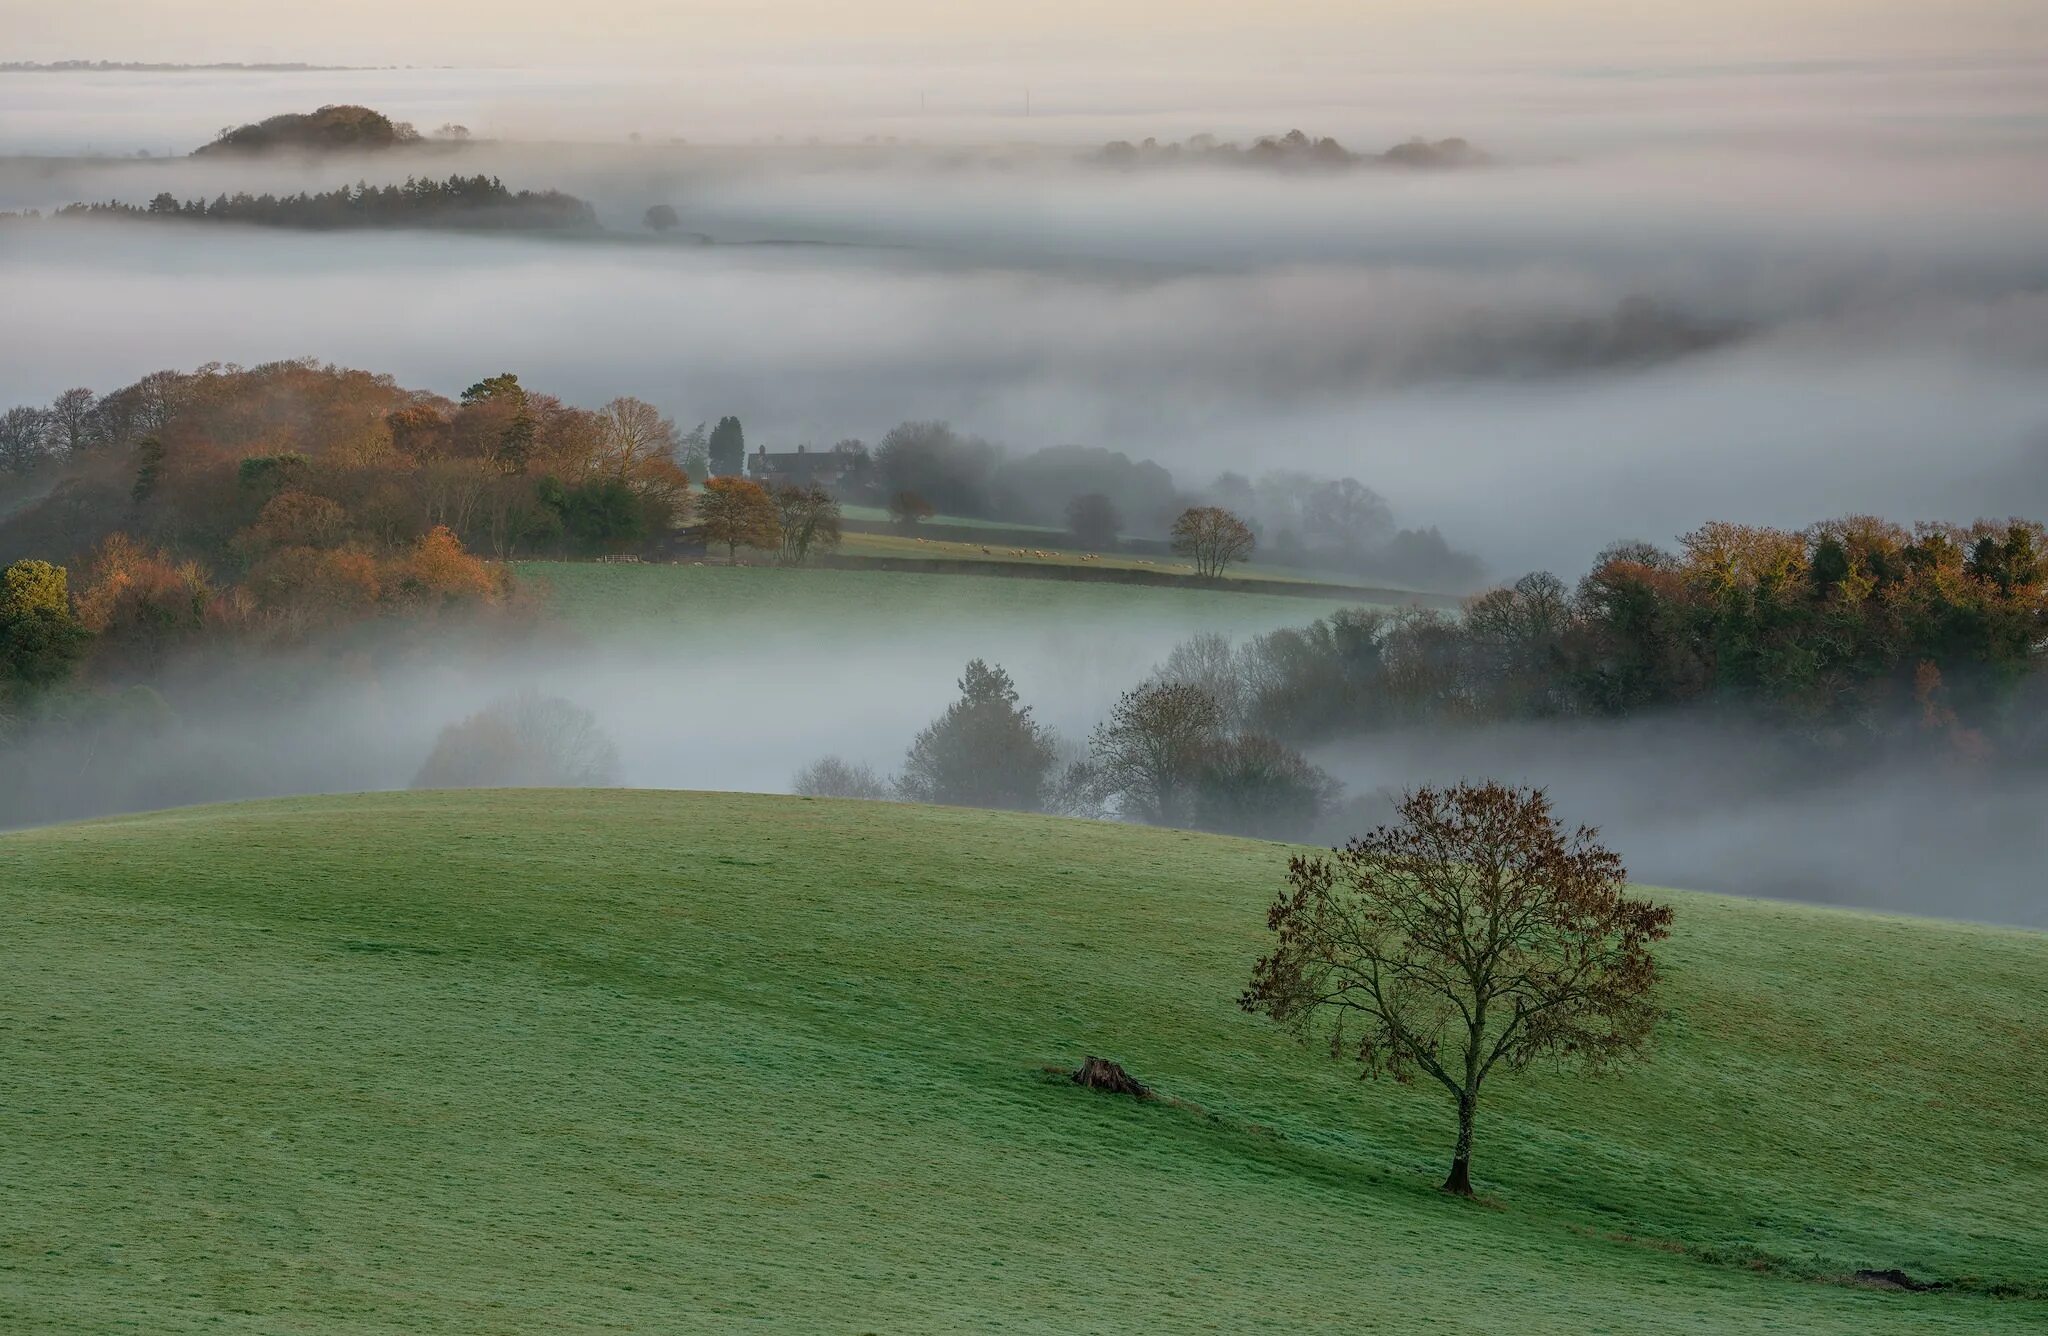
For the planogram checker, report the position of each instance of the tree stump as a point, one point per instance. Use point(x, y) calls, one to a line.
point(1102, 1074)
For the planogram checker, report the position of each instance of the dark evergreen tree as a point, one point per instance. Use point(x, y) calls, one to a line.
point(728, 447)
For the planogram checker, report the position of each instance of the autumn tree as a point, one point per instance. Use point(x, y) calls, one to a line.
point(139, 600)
point(632, 434)
point(908, 509)
point(737, 513)
point(438, 569)
point(809, 517)
point(1477, 933)
point(1212, 538)
point(985, 751)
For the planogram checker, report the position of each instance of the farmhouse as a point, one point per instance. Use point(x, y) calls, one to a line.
point(800, 466)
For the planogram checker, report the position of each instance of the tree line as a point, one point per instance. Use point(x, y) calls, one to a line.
point(1852, 633)
point(1099, 495)
point(288, 500)
point(459, 201)
point(1854, 637)
point(1103, 498)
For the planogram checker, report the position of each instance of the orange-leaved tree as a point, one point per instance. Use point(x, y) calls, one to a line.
point(738, 512)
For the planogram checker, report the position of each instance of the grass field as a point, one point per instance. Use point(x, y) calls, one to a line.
point(663, 1062)
point(945, 549)
point(598, 595)
point(881, 515)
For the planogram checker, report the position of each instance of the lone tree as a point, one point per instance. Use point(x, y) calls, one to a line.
point(660, 218)
point(909, 509)
point(1212, 538)
point(1475, 933)
point(738, 512)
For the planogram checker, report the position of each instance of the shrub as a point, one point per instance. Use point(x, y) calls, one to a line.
point(523, 741)
point(834, 777)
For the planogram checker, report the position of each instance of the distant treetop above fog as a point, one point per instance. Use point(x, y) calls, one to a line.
point(1293, 149)
point(330, 129)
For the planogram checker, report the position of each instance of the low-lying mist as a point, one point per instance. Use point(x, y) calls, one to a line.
point(1723, 807)
point(745, 705)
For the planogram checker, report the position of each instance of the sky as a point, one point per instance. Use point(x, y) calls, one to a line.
point(1199, 36)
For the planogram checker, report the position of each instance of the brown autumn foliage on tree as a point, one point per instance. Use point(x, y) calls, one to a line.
point(439, 568)
point(137, 600)
point(1212, 538)
point(1476, 934)
point(738, 512)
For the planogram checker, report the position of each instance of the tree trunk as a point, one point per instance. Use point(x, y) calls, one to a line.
point(1460, 1181)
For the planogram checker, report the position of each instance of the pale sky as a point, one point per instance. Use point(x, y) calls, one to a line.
point(1200, 34)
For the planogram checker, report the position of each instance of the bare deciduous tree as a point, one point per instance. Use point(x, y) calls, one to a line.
point(1477, 933)
point(631, 433)
point(71, 420)
point(1212, 538)
point(810, 518)
point(1149, 752)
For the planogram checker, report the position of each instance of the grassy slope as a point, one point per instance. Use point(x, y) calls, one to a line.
point(880, 515)
point(942, 549)
point(665, 1062)
point(608, 595)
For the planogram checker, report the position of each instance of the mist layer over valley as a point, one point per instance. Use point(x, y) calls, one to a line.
point(1668, 334)
point(1825, 296)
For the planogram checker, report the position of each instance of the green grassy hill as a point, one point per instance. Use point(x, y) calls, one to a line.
point(606, 596)
point(659, 1062)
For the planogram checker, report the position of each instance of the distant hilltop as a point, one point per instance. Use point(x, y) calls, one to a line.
point(332, 129)
point(1293, 149)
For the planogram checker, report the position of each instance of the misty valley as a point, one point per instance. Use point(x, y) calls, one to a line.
point(795, 698)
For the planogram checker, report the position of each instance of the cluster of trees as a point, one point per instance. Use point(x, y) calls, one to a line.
point(1167, 755)
point(1291, 150)
point(460, 201)
point(292, 498)
point(1852, 632)
point(192, 461)
point(1851, 635)
point(520, 472)
point(339, 127)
